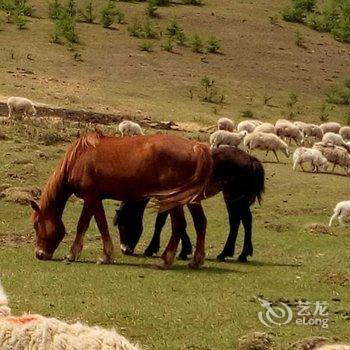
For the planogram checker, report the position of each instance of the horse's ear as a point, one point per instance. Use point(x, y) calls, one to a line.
point(35, 206)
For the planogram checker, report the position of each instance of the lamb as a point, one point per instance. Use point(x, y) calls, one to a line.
point(289, 131)
point(341, 211)
point(334, 154)
point(267, 142)
point(246, 125)
point(330, 127)
point(333, 139)
point(16, 104)
point(225, 124)
point(38, 332)
point(266, 128)
point(227, 138)
point(129, 128)
point(344, 132)
point(315, 157)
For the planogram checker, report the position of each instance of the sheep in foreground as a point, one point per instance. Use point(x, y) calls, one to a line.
point(266, 142)
point(335, 347)
point(290, 131)
point(38, 332)
point(344, 132)
point(225, 124)
point(246, 125)
point(266, 128)
point(334, 154)
point(333, 139)
point(315, 157)
point(20, 104)
point(129, 128)
point(330, 127)
point(341, 211)
point(226, 138)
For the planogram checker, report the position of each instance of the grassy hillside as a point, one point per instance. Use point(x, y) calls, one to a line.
point(259, 57)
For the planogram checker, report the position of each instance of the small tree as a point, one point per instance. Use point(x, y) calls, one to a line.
point(151, 8)
point(197, 44)
point(213, 45)
point(55, 9)
point(87, 15)
point(110, 14)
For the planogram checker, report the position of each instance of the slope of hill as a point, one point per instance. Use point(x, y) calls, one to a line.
point(259, 57)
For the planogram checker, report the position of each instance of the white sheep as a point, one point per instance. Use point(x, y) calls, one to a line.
point(334, 347)
point(333, 139)
point(20, 104)
point(341, 211)
point(39, 332)
point(315, 157)
point(289, 131)
point(266, 142)
point(334, 154)
point(344, 132)
point(309, 130)
point(330, 127)
point(266, 128)
point(246, 125)
point(129, 128)
point(225, 124)
point(226, 138)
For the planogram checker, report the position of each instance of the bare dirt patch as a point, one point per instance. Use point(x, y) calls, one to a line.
point(20, 195)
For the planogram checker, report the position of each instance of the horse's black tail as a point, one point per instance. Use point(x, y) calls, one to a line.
point(258, 179)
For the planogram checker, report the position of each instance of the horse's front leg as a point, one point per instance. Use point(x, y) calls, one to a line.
point(200, 224)
point(178, 223)
point(83, 225)
point(234, 220)
point(247, 224)
point(100, 217)
point(154, 245)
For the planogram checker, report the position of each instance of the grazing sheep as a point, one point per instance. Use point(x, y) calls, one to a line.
point(225, 124)
point(341, 211)
point(17, 104)
point(246, 125)
point(129, 128)
point(289, 131)
point(266, 142)
point(334, 154)
point(224, 137)
point(266, 128)
point(344, 132)
point(282, 122)
point(256, 122)
point(335, 347)
point(315, 157)
point(333, 139)
point(38, 332)
point(310, 130)
point(330, 127)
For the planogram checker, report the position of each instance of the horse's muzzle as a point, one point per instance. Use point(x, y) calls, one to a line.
point(41, 255)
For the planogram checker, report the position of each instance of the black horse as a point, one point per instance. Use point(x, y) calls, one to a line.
point(239, 176)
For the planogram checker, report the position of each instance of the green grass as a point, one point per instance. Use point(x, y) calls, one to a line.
point(180, 308)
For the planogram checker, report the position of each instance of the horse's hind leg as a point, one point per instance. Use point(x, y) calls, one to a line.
point(108, 249)
point(83, 225)
point(247, 224)
point(178, 223)
point(186, 245)
point(200, 224)
point(154, 245)
point(234, 220)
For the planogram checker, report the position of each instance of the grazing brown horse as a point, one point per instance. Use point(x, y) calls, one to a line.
point(241, 179)
point(171, 169)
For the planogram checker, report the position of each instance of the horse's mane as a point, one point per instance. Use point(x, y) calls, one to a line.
point(55, 184)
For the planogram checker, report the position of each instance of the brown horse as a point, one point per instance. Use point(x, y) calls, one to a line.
point(171, 169)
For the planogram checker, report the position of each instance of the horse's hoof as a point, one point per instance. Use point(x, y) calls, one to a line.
point(148, 253)
point(243, 258)
point(161, 265)
point(183, 256)
point(196, 262)
point(221, 257)
point(105, 260)
point(70, 258)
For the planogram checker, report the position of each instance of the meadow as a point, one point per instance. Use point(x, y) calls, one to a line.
point(210, 308)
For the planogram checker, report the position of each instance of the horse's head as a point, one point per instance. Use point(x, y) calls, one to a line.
point(128, 219)
point(49, 231)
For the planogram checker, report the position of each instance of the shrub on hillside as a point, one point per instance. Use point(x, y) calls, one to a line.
point(87, 15)
point(110, 14)
point(213, 45)
point(197, 44)
point(151, 8)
